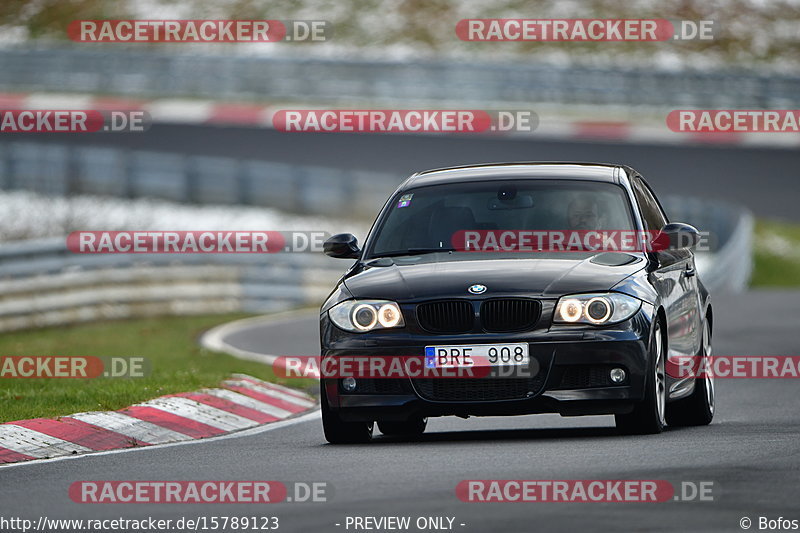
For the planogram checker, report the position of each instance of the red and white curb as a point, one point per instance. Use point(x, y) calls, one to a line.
point(211, 112)
point(243, 402)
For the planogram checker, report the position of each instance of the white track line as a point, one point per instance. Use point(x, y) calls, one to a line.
point(213, 339)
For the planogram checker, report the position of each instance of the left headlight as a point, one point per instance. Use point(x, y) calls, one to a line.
point(360, 316)
point(596, 308)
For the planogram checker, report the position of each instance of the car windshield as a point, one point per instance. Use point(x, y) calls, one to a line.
point(425, 219)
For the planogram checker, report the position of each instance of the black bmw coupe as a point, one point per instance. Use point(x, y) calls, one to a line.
point(578, 330)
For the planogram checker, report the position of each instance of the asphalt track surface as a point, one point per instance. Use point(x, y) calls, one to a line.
point(763, 179)
point(751, 452)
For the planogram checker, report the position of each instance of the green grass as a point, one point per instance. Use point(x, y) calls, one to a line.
point(776, 254)
point(176, 361)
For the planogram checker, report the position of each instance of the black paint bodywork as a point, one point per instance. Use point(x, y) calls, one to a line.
point(664, 281)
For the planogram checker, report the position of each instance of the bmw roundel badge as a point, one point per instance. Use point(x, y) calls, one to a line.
point(477, 288)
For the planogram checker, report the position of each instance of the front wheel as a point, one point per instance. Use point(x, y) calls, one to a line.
point(647, 416)
point(698, 408)
point(337, 431)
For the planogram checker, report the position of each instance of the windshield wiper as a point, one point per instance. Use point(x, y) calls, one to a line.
point(412, 251)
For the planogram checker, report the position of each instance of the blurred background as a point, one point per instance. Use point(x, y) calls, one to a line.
point(212, 161)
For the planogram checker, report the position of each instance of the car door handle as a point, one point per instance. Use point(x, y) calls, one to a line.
point(689, 272)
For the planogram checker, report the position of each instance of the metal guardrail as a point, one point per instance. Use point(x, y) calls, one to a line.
point(122, 71)
point(62, 170)
point(42, 283)
point(728, 266)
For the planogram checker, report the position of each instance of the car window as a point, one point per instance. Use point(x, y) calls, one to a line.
point(653, 217)
point(427, 217)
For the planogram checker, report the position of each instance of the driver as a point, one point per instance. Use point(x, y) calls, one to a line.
point(583, 213)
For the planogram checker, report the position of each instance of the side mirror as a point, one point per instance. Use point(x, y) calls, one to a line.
point(681, 235)
point(342, 246)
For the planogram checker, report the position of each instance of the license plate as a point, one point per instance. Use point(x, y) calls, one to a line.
point(476, 355)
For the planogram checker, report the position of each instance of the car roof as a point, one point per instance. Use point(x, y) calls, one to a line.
point(517, 170)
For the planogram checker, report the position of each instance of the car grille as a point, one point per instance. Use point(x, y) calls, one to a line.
point(507, 314)
point(478, 389)
point(446, 316)
point(498, 315)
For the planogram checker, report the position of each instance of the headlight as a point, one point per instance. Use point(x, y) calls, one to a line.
point(597, 309)
point(360, 316)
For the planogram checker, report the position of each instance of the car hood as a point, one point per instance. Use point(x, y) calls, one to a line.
point(446, 276)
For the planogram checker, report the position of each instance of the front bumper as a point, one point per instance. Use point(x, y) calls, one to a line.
point(572, 379)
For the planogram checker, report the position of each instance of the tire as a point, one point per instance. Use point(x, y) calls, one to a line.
point(409, 428)
point(338, 431)
point(698, 408)
point(648, 416)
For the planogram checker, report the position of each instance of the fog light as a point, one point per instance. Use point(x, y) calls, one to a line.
point(617, 375)
point(349, 384)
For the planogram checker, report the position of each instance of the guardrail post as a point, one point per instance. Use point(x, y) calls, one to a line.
point(190, 180)
point(5, 166)
point(126, 160)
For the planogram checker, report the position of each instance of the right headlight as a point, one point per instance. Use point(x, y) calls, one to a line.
point(596, 308)
point(360, 316)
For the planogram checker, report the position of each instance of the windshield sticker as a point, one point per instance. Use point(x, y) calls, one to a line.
point(405, 200)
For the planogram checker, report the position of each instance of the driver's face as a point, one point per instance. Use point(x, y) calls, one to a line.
point(583, 215)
